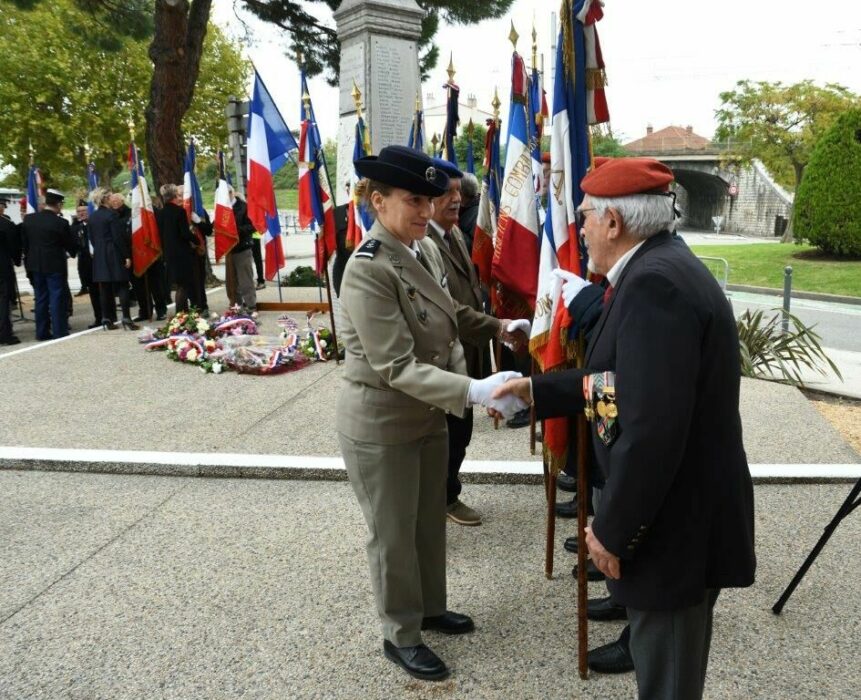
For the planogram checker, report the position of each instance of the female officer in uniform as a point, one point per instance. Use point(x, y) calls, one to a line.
point(404, 370)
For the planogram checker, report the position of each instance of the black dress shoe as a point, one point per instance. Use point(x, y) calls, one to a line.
point(520, 419)
point(449, 623)
point(566, 483)
point(605, 610)
point(571, 544)
point(592, 573)
point(95, 324)
point(568, 509)
point(419, 661)
point(614, 657)
point(11, 340)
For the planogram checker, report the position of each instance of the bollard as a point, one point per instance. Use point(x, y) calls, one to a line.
point(787, 293)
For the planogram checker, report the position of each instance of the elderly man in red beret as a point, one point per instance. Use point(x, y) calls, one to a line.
point(674, 523)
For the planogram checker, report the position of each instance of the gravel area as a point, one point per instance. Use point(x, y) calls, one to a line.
point(844, 414)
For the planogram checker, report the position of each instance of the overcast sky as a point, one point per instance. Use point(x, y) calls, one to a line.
point(666, 61)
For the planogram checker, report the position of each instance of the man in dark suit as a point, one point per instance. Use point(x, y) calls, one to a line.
point(674, 523)
point(463, 285)
point(80, 230)
point(47, 241)
point(10, 255)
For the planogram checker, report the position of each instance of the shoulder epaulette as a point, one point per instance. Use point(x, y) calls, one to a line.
point(368, 249)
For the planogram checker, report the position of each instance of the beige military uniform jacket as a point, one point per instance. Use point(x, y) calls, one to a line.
point(404, 364)
point(465, 288)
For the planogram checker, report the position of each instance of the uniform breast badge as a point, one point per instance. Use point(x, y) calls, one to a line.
point(600, 392)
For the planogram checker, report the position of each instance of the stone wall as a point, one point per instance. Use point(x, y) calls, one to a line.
point(760, 200)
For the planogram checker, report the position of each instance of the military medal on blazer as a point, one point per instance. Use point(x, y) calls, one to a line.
point(599, 391)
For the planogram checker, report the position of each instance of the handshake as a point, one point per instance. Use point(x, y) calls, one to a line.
point(486, 393)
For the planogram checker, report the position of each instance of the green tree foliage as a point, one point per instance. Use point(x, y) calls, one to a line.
point(608, 145)
point(460, 144)
point(827, 207)
point(779, 124)
point(88, 89)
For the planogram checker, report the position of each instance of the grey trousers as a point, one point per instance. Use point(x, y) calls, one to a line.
point(243, 267)
point(401, 490)
point(670, 649)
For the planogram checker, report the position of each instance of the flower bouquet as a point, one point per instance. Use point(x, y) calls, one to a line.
point(316, 344)
point(260, 355)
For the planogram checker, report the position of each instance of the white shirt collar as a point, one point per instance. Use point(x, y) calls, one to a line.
point(439, 229)
point(616, 271)
point(412, 247)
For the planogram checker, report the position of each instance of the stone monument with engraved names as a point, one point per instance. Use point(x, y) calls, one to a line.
point(379, 53)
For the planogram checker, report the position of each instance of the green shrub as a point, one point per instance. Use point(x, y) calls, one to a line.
point(302, 276)
point(828, 201)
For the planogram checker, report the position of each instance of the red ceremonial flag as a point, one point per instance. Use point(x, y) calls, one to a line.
point(316, 209)
point(224, 228)
point(146, 242)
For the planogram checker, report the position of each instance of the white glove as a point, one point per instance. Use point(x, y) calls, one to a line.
point(195, 218)
point(480, 391)
point(521, 324)
point(572, 285)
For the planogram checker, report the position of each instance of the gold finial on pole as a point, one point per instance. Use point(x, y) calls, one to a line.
point(418, 101)
point(131, 124)
point(496, 103)
point(470, 127)
point(357, 98)
point(513, 36)
point(450, 70)
point(534, 47)
point(32, 152)
point(434, 142)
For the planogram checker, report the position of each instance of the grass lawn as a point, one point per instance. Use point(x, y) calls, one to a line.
point(284, 199)
point(761, 265)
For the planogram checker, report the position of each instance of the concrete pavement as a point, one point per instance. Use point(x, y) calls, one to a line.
point(154, 587)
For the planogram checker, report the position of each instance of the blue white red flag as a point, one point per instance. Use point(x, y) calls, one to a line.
point(34, 190)
point(516, 248)
point(359, 221)
point(560, 245)
point(488, 205)
point(417, 132)
point(146, 241)
point(316, 206)
point(269, 145)
point(192, 198)
point(92, 183)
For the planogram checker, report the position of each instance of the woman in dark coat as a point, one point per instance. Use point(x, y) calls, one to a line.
point(178, 244)
point(112, 259)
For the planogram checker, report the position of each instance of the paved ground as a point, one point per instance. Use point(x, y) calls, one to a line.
point(114, 395)
point(156, 587)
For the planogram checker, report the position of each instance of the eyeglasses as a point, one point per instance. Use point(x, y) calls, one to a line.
point(580, 217)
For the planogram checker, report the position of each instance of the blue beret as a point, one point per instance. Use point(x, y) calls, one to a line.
point(448, 168)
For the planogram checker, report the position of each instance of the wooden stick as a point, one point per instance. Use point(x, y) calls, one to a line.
point(532, 416)
point(497, 354)
point(551, 525)
point(332, 316)
point(582, 486)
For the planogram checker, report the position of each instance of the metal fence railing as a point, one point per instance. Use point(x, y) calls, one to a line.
point(719, 267)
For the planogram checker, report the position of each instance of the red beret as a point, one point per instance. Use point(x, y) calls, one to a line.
point(620, 177)
point(545, 157)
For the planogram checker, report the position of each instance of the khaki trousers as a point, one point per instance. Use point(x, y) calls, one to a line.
point(401, 490)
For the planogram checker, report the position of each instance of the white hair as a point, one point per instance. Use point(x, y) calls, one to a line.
point(644, 214)
point(100, 196)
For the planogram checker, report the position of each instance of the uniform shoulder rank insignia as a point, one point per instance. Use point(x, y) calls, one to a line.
point(368, 249)
point(599, 390)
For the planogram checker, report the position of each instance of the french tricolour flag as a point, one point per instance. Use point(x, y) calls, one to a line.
point(146, 242)
point(515, 254)
point(34, 189)
point(224, 228)
point(316, 207)
point(269, 145)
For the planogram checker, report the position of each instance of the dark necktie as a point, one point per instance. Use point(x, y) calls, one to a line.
point(421, 259)
point(608, 294)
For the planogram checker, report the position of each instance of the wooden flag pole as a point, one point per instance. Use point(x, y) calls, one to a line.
point(582, 486)
point(532, 415)
point(551, 525)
